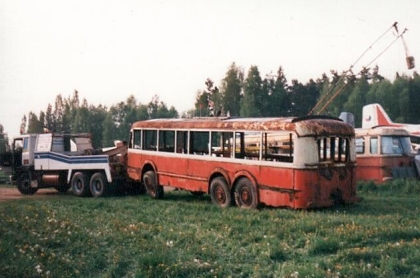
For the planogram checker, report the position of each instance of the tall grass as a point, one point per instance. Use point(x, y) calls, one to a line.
point(182, 236)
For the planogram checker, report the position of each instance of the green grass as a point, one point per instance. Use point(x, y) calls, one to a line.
point(182, 236)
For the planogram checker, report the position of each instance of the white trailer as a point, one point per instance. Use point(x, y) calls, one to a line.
point(65, 161)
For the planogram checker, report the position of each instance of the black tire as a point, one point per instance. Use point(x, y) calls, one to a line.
point(99, 186)
point(220, 193)
point(24, 185)
point(79, 184)
point(245, 194)
point(153, 188)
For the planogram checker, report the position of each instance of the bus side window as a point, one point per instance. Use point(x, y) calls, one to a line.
point(149, 140)
point(374, 145)
point(137, 139)
point(199, 142)
point(249, 144)
point(360, 145)
point(167, 141)
point(221, 144)
point(181, 141)
point(278, 146)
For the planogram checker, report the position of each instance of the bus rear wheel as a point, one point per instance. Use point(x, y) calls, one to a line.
point(153, 188)
point(79, 184)
point(245, 194)
point(98, 185)
point(220, 193)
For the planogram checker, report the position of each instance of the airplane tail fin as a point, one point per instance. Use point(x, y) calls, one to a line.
point(375, 115)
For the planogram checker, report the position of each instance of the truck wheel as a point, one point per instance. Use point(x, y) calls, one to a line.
point(155, 190)
point(24, 185)
point(219, 192)
point(98, 185)
point(79, 184)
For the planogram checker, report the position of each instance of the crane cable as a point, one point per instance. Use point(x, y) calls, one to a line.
point(350, 70)
point(383, 51)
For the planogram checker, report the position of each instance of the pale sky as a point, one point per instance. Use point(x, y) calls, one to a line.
point(109, 50)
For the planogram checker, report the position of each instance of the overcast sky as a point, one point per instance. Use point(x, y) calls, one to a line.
point(109, 50)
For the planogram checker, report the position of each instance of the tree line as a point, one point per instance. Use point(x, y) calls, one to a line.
point(240, 94)
point(252, 95)
point(70, 115)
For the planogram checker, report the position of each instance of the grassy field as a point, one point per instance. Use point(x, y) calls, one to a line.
point(182, 236)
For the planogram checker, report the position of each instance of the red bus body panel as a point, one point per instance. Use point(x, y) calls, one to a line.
point(275, 186)
point(379, 168)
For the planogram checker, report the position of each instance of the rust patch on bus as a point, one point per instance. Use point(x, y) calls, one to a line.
point(304, 127)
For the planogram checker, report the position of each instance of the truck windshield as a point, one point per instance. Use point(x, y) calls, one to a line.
point(396, 145)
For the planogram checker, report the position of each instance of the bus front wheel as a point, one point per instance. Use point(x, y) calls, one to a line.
point(153, 188)
point(24, 185)
point(220, 193)
point(245, 194)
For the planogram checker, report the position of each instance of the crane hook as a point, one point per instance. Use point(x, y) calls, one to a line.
point(409, 59)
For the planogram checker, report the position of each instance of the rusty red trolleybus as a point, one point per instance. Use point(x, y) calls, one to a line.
point(306, 162)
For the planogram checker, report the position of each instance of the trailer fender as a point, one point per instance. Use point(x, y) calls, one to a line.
point(217, 172)
point(247, 175)
point(149, 165)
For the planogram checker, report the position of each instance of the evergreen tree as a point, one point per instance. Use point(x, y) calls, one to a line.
point(252, 101)
point(4, 146)
point(312, 95)
point(208, 102)
point(118, 114)
point(278, 101)
point(82, 119)
point(395, 108)
point(231, 90)
point(357, 100)
point(142, 112)
point(97, 116)
point(376, 77)
point(59, 114)
point(202, 104)
point(173, 113)
point(49, 119)
point(214, 98)
point(129, 118)
point(414, 97)
point(108, 130)
point(42, 120)
point(301, 106)
point(152, 107)
point(34, 126)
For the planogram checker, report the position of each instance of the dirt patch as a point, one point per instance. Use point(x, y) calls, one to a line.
point(10, 193)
